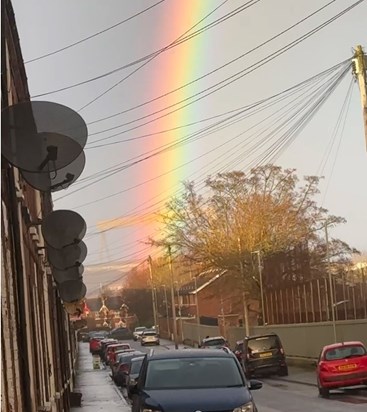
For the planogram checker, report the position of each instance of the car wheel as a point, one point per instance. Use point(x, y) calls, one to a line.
point(283, 371)
point(323, 392)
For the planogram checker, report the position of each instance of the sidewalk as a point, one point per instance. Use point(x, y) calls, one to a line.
point(98, 391)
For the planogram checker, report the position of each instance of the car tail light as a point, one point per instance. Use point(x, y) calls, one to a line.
point(324, 367)
point(124, 367)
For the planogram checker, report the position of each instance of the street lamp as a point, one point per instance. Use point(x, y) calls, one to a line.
point(334, 306)
point(257, 252)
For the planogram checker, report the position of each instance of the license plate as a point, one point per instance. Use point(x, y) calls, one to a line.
point(347, 367)
point(266, 354)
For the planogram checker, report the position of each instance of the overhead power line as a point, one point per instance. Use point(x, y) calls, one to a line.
point(203, 29)
point(211, 72)
point(233, 78)
point(52, 53)
point(152, 58)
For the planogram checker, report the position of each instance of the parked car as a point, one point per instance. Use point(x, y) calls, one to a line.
point(149, 337)
point(138, 332)
point(121, 334)
point(134, 372)
point(95, 342)
point(217, 342)
point(121, 370)
point(192, 380)
point(113, 348)
point(262, 354)
point(103, 345)
point(114, 365)
point(340, 365)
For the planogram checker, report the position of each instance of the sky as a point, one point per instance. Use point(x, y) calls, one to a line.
point(156, 111)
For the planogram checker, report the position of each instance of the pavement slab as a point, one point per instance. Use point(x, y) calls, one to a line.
point(99, 393)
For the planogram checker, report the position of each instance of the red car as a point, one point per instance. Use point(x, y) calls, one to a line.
point(112, 349)
point(340, 365)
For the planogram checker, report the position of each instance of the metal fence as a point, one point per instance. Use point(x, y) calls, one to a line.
point(311, 301)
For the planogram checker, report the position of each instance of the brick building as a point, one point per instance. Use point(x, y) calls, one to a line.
point(37, 341)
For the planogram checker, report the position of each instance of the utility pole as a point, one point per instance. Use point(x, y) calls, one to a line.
point(359, 70)
point(261, 285)
point(197, 310)
point(332, 303)
point(167, 314)
point(153, 293)
point(173, 299)
point(244, 300)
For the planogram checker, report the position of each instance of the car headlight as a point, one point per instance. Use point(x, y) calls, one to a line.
point(149, 410)
point(248, 407)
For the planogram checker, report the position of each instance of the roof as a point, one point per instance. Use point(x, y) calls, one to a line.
point(189, 353)
point(213, 338)
point(340, 344)
point(112, 303)
point(203, 280)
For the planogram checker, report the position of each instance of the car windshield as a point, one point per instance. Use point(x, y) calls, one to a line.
point(140, 329)
point(136, 366)
point(344, 352)
point(214, 342)
point(150, 333)
point(262, 344)
point(185, 373)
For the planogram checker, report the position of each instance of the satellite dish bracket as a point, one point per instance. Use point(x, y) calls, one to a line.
point(51, 156)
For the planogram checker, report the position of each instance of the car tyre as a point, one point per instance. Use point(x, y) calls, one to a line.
point(323, 392)
point(283, 371)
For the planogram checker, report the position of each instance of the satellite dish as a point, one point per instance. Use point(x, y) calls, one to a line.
point(42, 136)
point(56, 180)
point(63, 228)
point(72, 290)
point(73, 273)
point(68, 256)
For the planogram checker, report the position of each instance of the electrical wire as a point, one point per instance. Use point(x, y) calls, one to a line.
point(298, 110)
point(91, 36)
point(149, 60)
point(163, 49)
point(113, 171)
point(212, 71)
point(237, 76)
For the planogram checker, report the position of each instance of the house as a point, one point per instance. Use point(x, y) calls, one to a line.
point(108, 311)
point(37, 339)
point(213, 297)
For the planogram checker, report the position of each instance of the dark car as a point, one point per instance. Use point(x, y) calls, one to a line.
point(192, 380)
point(134, 371)
point(121, 334)
point(121, 369)
point(262, 355)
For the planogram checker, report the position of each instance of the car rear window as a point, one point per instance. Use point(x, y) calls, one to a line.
point(185, 373)
point(345, 352)
point(214, 342)
point(136, 366)
point(263, 343)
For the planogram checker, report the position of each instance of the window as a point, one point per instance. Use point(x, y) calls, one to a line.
point(345, 352)
point(195, 373)
point(263, 344)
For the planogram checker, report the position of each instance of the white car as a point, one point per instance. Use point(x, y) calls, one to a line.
point(138, 332)
point(149, 337)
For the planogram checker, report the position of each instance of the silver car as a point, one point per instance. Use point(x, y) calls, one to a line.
point(149, 337)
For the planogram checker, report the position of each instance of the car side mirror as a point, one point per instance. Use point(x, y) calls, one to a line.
point(255, 384)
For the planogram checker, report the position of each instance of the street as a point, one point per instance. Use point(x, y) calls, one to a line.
point(279, 395)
